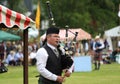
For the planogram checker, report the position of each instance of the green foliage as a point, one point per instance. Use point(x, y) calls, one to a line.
point(91, 15)
point(17, 6)
point(94, 16)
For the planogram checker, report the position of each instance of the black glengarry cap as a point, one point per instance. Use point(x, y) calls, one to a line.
point(52, 30)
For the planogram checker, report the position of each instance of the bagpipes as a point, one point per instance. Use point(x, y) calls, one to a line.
point(69, 50)
point(70, 46)
point(50, 14)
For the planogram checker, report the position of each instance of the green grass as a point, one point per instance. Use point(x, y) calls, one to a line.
point(108, 74)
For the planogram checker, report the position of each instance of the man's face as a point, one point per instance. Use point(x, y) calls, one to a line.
point(97, 40)
point(53, 39)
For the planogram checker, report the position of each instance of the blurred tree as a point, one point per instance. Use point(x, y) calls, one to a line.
point(94, 16)
point(18, 5)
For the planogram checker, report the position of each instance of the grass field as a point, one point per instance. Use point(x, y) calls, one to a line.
point(108, 74)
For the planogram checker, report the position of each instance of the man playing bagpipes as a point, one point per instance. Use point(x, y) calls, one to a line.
point(51, 60)
point(97, 47)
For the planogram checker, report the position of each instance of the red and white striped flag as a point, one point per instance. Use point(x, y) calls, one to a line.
point(11, 18)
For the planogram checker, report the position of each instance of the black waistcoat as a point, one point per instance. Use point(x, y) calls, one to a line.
point(98, 44)
point(53, 64)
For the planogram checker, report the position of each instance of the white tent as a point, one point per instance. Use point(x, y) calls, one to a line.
point(109, 34)
point(113, 32)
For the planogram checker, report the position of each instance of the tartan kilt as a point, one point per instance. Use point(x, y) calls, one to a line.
point(98, 56)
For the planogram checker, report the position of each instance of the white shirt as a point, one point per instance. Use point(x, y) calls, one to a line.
point(101, 47)
point(32, 55)
point(18, 56)
point(42, 57)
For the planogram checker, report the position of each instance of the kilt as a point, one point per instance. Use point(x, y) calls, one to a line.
point(43, 80)
point(97, 56)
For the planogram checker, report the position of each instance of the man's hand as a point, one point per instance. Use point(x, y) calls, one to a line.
point(67, 74)
point(60, 79)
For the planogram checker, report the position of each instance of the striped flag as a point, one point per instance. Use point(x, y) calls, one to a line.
point(11, 18)
point(37, 19)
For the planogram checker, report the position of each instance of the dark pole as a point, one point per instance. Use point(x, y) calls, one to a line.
point(66, 35)
point(25, 38)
